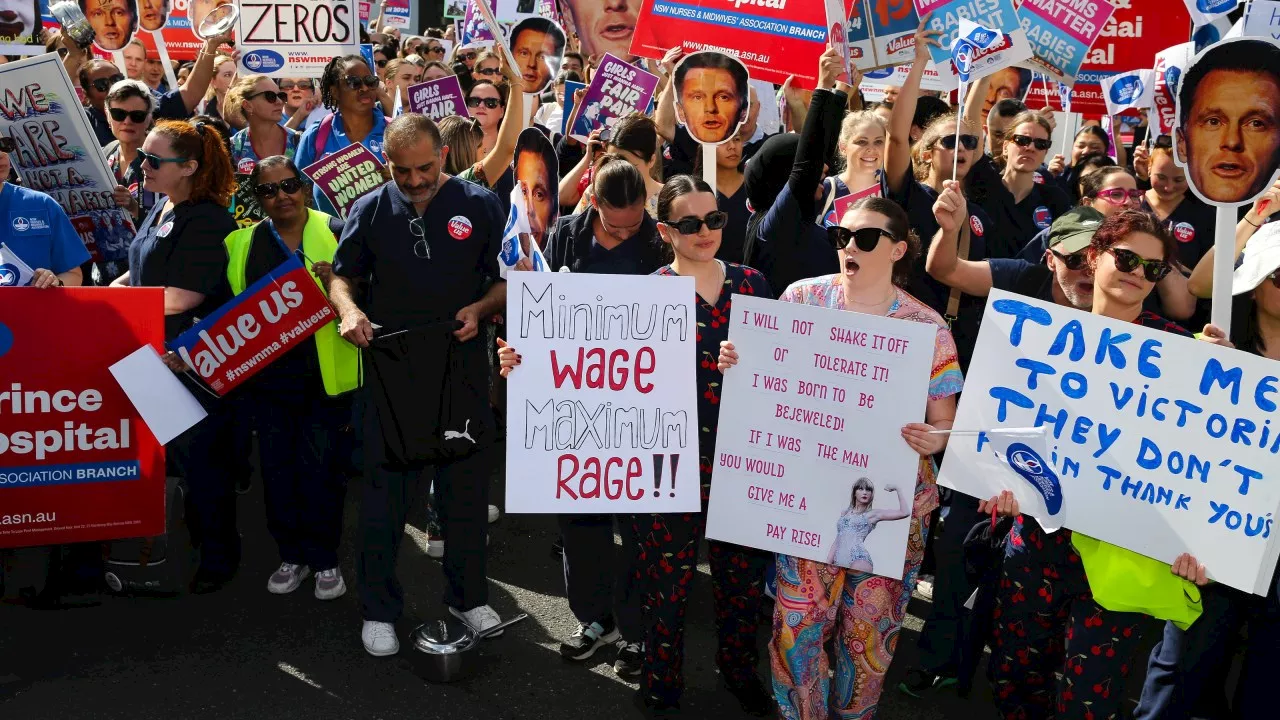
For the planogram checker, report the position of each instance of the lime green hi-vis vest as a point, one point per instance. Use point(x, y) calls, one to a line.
point(339, 359)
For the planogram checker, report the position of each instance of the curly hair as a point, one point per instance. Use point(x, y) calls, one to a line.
point(332, 75)
point(214, 180)
point(1130, 222)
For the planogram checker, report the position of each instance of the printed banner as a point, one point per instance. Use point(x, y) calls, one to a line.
point(1061, 34)
point(475, 31)
point(862, 49)
point(255, 328)
point(295, 38)
point(602, 413)
point(77, 464)
point(571, 88)
point(396, 13)
point(773, 40)
point(1204, 12)
point(1170, 64)
point(893, 31)
point(1157, 443)
point(810, 459)
point(617, 89)
point(841, 205)
point(994, 14)
point(438, 99)
point(936, 77)
point(58, 154)
point(346, 176)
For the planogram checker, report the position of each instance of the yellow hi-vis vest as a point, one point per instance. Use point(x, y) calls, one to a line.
point(339, 359)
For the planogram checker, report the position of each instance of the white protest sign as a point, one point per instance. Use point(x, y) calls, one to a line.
point(602, 412)
point(295, 38)
point(1158, 443)
point(1262, 19)
point(814, 407)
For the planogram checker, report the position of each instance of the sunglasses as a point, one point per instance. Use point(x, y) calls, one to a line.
point(466, 56)
point(137, 116)
point(948, 142)
point(270, 96)
point(487, 71)
point(1127, 261)
point(1025, 140)
point(267, 191)
point(435, 49)
point(1074, 261)
point(7, 145)
point(866, 239)
point(104, 84)
point(380, 63)
point(1117, 196)
point(354, 82)
point(286, 85)
point(155, 161)
point(690, 225)
point(491, 103)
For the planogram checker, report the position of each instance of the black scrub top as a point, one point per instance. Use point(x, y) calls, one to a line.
point(918, 199)
point(1024, 278)
point(572, 244)
point(1016, 223)
point(296, 373)
point(183, 248)
point(734, 235)
point(1192, 225)
point(462, 226)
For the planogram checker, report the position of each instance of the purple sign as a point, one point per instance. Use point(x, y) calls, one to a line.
point(346, 176)
point(617, 89)
point(438, 98)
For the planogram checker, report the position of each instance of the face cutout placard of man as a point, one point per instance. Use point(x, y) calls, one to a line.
point(604, 26)
point(712, 96)
point(537, 173)
point(113, 22)
point(537, 44)
point(152, 14)
point(1227, 133)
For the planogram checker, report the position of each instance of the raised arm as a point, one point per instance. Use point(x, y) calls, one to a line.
point(194, 88)
point(904, 504)
point(898, 155)
point(943, 261)
point(1200, 283)
point(974, 101)
point(504, 150)
point(664, 114)
point(811, 150)
point(569, 193)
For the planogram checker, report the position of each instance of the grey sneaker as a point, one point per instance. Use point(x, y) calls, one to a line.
point(630, 662)
point(287, 578)
point(330, 585)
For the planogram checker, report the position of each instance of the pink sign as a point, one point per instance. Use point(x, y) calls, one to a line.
point(346, 176)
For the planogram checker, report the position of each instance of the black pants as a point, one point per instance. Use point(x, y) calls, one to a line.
point(462, 502)
point(940, 644)
point(599, 579)
point(204, 456)
point(302, 474)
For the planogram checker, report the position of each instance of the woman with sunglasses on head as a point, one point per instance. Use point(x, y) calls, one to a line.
point(1047, 615)
point(349, 89)
point(262, 102)
point(875, 249)
point(179, 247)
point(129, 106)
point(295, 401)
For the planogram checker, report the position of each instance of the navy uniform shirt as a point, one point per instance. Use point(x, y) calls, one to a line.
point(734, 235)
point(462, 233)
point(1024, 278)
point(183, 248)
point(572, 244)
point(1016, 223)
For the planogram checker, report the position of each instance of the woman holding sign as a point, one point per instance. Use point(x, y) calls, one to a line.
point(875, 248)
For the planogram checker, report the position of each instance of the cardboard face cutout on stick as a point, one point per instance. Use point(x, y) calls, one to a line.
point(713, 96)
point(152, 14)
point(537, 170)
point(538, 47)
point(113, 22)
point(1227, 133)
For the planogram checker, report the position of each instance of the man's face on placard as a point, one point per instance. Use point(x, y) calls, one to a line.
point(17, 18)
point(539, 194)
point(535, 52)
point(1004, 85)
point(112, 22)
point(710, 104)
point(1230, 136)
point(604, 26)
point(152, 14)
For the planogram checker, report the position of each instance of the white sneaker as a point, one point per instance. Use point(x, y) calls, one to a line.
point(924, 589)
point(494, 513)
point(435, 547)
point(478, 618)
point(379, 638)
point(287, 578)
point(330, 585)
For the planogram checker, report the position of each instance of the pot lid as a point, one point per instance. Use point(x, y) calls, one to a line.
point(443, 637)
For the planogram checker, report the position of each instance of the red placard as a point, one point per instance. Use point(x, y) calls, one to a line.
point(256, 328)
point(773, 43)
point(77, 463)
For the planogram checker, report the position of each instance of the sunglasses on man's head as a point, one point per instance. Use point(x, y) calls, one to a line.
point(948, 142)
point(1127, 261)
point(287, 85)
point(155, 161)
point(266, 191)
point(865, 239)
point(353, 82)
point(475, 102)
point(7, 145)
point(1074, 261)
point(1025, 140)
point(1119, 196)
point(137, 116)
point(714, 220)
point(104, 84)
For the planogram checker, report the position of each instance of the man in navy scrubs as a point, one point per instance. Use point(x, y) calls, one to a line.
point(427, 246)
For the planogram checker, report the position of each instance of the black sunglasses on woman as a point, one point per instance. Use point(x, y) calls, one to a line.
point(266, 191)
point(865, 239)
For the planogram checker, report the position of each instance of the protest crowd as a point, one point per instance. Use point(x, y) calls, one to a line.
point(384, 199)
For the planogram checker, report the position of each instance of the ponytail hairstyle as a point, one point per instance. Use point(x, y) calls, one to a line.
point(213, 180)
point(933, 132)
point(463, 136)
point(676, 188)
point(900, 227)
point(234, 102)
point(617, 183)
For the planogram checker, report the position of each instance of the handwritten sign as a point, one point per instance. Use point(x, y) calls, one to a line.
point(296, 38)
point(1062, 33)
point(617, 89)
point(1262, 19)
point(346, 176)
point(58, 154)
point(438, 99)
point(816, 405)
point(602, 412)
point(77, 463)
point(1157, 443)
point(255, 328)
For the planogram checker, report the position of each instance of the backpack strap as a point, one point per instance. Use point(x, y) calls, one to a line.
point(322, 135)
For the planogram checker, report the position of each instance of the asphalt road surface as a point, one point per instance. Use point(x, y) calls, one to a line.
point(243, 653)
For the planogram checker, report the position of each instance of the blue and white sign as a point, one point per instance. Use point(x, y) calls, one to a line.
point(1204, 12)
point(952, 17)
point(1158, 443)
point(13, 272)
point(970, 44)
point(1134, 90)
